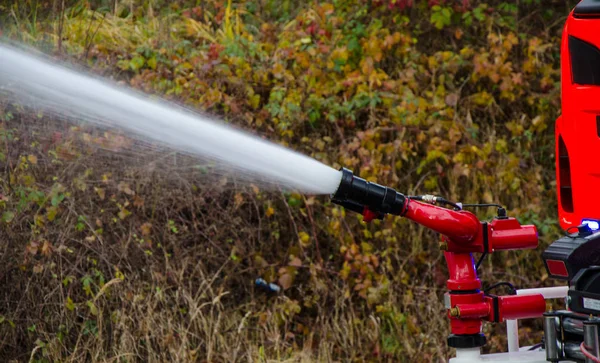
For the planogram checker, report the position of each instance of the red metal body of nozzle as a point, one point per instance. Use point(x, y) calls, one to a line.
point(463, 235)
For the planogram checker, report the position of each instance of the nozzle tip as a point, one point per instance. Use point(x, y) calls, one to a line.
point(345, 184)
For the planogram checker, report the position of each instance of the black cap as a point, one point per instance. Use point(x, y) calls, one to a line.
point(466, 341)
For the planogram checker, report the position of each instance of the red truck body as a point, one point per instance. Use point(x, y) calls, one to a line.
point(578, 128)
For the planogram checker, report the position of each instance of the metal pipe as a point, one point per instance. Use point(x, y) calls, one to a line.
point(556, 292)
point(468, 354)
point(590, 338)
point(551, 338)
point(512, 333)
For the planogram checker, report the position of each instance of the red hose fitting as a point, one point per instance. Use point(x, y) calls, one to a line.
point(471, 311)
point(515, 307)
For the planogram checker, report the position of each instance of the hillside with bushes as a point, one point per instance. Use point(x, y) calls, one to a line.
point(109, 255)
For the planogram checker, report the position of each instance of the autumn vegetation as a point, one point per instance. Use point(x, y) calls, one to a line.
point(109, 256)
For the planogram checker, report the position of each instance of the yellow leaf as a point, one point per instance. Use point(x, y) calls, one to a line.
point(119, 275)
point(238, 200)
point(93, 308)
point(278, 70)
point(366, 65)
point(32, 159)
point(270, 211)
point(124, 213)
point(152, 62)
point(340, 54)
point(260, 261)
point(101, 193)
point(80, 184)
point(304, 238)
point(70, 305)
point(255, 101)
point(501, 146)
point(51, 213)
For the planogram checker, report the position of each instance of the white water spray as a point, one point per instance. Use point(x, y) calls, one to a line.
point(29, 79)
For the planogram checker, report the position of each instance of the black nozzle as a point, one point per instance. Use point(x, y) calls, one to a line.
point(357, 194)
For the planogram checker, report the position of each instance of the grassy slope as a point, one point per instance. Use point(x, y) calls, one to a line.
point(106, 260)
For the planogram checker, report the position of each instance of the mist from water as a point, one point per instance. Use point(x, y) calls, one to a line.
point(34, 81)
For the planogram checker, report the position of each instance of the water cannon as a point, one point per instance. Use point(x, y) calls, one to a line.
point(462, 230)
point(462, 235)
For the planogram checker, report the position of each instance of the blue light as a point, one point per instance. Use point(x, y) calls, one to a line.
point(594, 225)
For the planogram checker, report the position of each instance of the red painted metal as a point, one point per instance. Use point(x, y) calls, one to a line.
point(479, 310)
point(509, 234)
point(463, 278)
point(467, 324)
point(459, 226)
point(576, 131)
point(369, 215)
point(509, 307)
point(516, 307)
point(461, 270)
point(464, 234)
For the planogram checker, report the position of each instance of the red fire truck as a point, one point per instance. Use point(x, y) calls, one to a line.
point(578, 129)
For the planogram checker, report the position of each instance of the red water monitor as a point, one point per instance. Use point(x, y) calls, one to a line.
point(578, 128)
